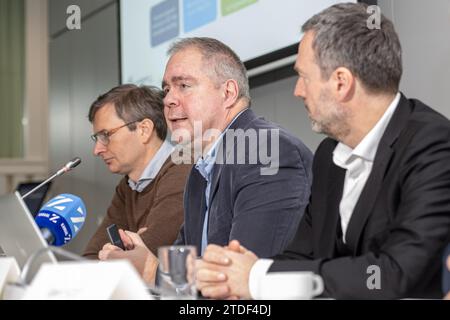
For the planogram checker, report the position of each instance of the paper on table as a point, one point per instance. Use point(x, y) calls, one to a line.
point(88, 280)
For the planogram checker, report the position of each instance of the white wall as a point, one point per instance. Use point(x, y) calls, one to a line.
point(424, 30)
point(276, 102)
point(83, 64)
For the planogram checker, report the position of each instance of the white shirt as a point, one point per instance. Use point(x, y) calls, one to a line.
point(358, 163)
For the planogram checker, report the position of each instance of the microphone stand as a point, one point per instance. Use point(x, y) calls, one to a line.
point(32, 258)
point(69, 166)
point(40, 185)
point(16, 290)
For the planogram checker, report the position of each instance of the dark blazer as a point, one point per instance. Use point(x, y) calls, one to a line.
point(401, 222)
point(261, 211)
point(446, 272)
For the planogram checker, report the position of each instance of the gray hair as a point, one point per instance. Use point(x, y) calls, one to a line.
point(225, 62)
point(342, 38)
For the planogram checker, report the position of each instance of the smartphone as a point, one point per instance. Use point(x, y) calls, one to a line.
point(114, 236)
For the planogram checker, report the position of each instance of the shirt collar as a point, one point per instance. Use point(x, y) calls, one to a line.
point(205, 164)
point(153, 167)
point(368, 146)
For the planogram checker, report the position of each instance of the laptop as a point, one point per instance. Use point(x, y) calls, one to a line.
point(35, 200)
point(20, 236)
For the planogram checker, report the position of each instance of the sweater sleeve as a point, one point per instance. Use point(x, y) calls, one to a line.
point(115, 214)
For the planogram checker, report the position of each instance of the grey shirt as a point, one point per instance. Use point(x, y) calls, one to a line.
point(153, 167)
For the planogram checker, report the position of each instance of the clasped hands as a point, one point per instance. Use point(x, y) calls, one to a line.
point(223, 272)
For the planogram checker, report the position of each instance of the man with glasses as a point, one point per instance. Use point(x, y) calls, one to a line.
point(129, 136)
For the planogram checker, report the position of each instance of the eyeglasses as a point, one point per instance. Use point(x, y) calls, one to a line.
point(103, 135)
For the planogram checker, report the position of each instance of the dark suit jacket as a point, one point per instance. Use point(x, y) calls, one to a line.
point(446, 272)
point(401, 222)
point(261, 211)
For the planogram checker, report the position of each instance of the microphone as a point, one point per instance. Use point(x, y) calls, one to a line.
point(61, 218)
point(67, 167)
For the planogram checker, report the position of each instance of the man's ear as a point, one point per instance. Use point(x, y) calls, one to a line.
point(343, 84)
point(145, 129)
point(230, 93)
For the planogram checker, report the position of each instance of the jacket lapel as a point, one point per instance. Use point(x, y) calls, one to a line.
point(217, 171)
point(374, 182)
point(240, 123)
point(330, 212)
point(195, 204)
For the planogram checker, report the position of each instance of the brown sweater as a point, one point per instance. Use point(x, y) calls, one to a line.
point(159, 207)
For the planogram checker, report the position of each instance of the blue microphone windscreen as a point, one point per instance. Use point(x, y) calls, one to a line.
point(64, 216)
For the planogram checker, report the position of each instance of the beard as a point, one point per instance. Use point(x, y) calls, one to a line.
point(331, 118)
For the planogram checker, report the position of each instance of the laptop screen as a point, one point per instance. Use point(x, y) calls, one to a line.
point(20, 236)
point(35, 200)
